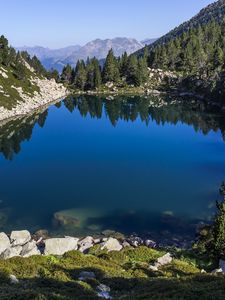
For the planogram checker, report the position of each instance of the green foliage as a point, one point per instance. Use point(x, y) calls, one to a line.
point(211, 240)
point(80, 75)
point(111, 68)
point(126, 273)
point(88, 76)
point(198, 54)
point(219, 226)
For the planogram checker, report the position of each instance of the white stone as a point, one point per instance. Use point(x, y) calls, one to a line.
point(222, 265)
point(112, 244)
point(20, 237)
point(11, 252)
point(4, 242)
point(164, 260)
point(59, 246)
point(153, 268)
point(13, 279)
point(30, 249)
point(86, 243)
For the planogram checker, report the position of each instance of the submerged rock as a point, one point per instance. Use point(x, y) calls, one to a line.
point(4, 242)
point(20, 238)
point(59, 246)
point(112, 245)
point(78, 218)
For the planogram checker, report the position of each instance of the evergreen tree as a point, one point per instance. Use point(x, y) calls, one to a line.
point(123, 65)
point(111, 68)
point(81, 75)
point(66, 75)
point(132, 70)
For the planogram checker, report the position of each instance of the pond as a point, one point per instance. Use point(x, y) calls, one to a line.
point(130, 164)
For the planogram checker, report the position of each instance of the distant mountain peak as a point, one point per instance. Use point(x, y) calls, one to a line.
point(57, 58)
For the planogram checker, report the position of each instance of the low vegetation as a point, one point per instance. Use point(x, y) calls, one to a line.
point(127, 274)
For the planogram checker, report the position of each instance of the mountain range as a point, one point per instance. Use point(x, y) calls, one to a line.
point(57, 58)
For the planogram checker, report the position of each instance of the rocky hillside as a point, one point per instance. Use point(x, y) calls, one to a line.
point(70, 55)
point(23, 85)
point(196, 51)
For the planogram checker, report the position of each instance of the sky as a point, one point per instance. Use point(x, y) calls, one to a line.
point(59, 23)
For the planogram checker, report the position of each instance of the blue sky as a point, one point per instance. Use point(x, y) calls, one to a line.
point(59, 23)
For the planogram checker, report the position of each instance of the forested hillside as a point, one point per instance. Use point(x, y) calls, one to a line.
point(214, 11)
point(198, 53)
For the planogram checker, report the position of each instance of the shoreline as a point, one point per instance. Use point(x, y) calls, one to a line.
point(50, 92)
point(21, 243)
point(32, 110)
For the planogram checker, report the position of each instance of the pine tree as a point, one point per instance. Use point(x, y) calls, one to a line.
point(111, 68)
point(66, 75)
point(123, 65)
point(142, 72)
point(81, 75)
point(97, 74)
point(132, 70)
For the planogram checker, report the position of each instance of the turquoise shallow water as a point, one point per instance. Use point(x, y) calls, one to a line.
point(121, 158)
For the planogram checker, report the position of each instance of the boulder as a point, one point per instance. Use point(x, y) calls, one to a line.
point(222, 265)
point(20, 238)
point(86, 244)
point(84, 275)
point(164, 260)
point(112, 245)
point(103, 288)
point(59, 246)
point(13, 279)
point(30, 249)
point(150, 244)
point(4, 242)
point(11, 252)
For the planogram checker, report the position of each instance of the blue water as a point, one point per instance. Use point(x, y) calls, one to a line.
point(117, 156)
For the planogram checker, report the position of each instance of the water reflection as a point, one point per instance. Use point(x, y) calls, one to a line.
point(147, 109)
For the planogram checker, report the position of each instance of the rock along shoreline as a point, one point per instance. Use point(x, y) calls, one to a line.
point(21, 243)
point(50, 92)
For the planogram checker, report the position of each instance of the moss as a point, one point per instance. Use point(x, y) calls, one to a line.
point(126, 273)
point(143, 254)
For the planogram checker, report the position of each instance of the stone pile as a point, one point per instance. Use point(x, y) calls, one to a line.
point(21, 243)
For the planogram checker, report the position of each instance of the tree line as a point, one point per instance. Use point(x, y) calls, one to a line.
point(122, 70)
point(197, 54)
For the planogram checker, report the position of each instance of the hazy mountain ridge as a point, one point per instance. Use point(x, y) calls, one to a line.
point(57, 58)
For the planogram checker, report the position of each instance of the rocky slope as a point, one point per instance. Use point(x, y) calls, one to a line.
point(23, 85)
point(48, 91)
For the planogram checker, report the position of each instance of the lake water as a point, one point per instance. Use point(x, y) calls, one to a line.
point(128, 164)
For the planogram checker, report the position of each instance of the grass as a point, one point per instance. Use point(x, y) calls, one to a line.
point(127, 273)
point(10, 97)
